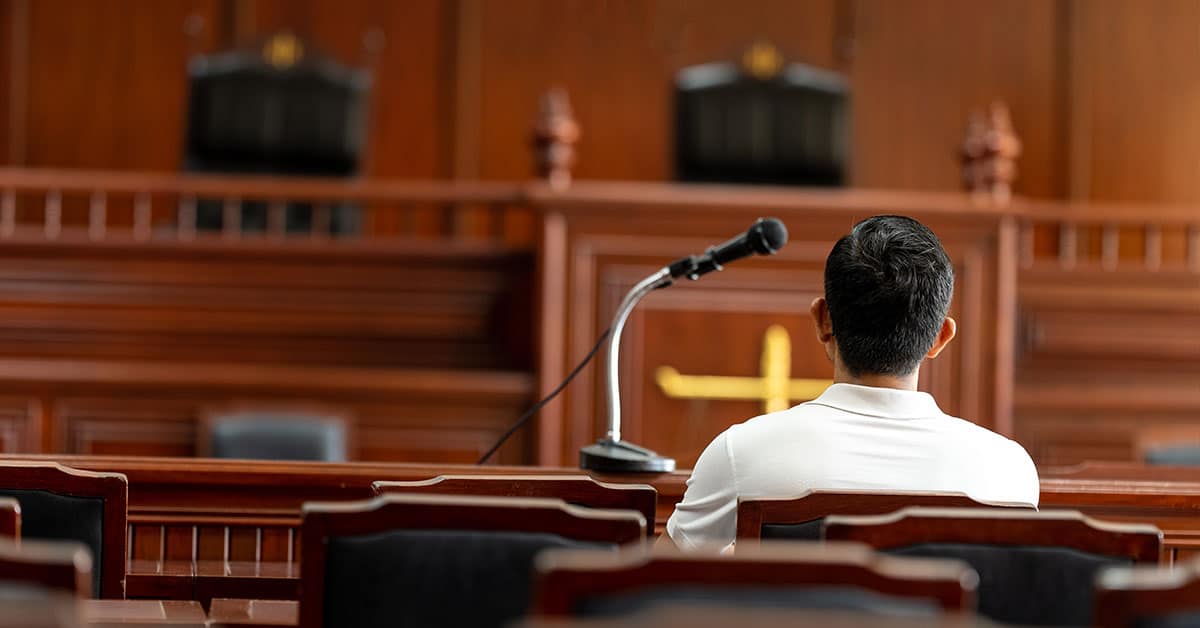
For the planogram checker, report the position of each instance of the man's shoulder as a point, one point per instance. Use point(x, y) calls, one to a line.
point(800, 419)
point(984, 437)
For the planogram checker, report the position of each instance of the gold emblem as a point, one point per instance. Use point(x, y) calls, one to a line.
point(774, 387)
point(283, 51)
point(762, 61)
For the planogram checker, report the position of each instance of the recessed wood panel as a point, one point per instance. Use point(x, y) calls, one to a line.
point(1106, 359)
point(921, 67)
point(107, 81)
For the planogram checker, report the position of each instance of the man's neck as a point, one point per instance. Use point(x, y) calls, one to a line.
point(902, 382)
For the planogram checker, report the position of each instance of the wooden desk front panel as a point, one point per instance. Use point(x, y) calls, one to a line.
point(1108, 362)
point(117, 347)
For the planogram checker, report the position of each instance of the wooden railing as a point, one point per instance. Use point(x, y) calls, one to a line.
point(1109, 237)
point(53, 204)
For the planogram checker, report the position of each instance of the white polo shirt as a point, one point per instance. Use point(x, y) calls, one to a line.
point(851, 437)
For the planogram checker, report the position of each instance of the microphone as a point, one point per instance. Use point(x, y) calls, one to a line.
point(764, 237)
point(611, 454)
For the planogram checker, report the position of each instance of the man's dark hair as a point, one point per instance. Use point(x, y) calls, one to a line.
point(888, 284)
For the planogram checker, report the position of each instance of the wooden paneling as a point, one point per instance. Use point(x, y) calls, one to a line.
point(618, 61)
point(107, 81)
point(601, 239)
point(409, 46)
point(919, 69)
point(124, 346)
point(7, 86)
point(1106, 359)
point(1135, 84)
point(1101, 91)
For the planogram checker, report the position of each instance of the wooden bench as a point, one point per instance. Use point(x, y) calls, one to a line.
point(580, 490)
point(417, 555)
point(59, 502)
point(1127, 596)
point(1035, 568)
point(566, 580)
point(761, 517)
point(64, 566)
point(10, 518)
point(186, 511)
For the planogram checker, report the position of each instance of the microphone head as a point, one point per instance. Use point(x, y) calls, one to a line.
point(767, 235)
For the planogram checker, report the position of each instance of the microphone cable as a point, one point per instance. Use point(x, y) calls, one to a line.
point(554, 393)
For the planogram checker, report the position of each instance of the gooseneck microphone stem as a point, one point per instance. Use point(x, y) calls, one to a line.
point(611, 454)
point(658, 280)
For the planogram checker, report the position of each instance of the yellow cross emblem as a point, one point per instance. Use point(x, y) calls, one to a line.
point(774, 387)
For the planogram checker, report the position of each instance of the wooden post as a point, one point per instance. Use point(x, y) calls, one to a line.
point(989, 154)
point(554, 137)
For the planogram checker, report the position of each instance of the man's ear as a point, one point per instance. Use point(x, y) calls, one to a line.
point(819, 310)
point(949, 328)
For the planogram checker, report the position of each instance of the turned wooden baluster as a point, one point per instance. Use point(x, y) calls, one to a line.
point(143, 210)
point(554, 137)
point(186, 221)
point(97, 216)
point(8, 213)
point(989, 154)
point(1193, 248)
point(52, 222)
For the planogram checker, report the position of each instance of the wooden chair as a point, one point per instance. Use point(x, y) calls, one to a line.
point(1035, 568)
point(837, 576)
point(62, 566)
point(10, 518)
point(1148, 598)
point(802, 517)
point(275, 433)
point(580, 490)
point(61, 503)
point(438, 560)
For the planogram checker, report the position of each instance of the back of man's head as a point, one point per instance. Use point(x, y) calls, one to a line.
point(888, 285)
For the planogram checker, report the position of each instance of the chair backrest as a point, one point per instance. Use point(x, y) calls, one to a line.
point(1180, 455)
point(10, 518)
point(275, 434)
point(1035, 568)
point(62, 566)
point(802, 517)
point(61, 503)
point(580, 490)
point(438, 560)
point(837, 576)
point(1148, 598)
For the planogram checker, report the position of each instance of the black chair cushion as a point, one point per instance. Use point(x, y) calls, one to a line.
point(1025, 584)
point(47, 515)
point(433, 578)
point(1186, 619)
point(1176, 455)
point(832, 598)
point(807, 531)
point(278, 437)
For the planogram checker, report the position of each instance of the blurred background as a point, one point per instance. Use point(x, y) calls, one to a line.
point(1102, 91)
point(334, 227)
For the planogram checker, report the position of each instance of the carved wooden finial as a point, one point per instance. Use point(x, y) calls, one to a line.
point(554, 137)
point(990, 152)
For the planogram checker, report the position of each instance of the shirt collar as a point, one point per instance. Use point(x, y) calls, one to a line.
point(888, 403)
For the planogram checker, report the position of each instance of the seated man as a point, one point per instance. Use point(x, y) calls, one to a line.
point(887, 292)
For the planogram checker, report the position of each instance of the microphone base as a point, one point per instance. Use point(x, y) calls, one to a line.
point(610, 456)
